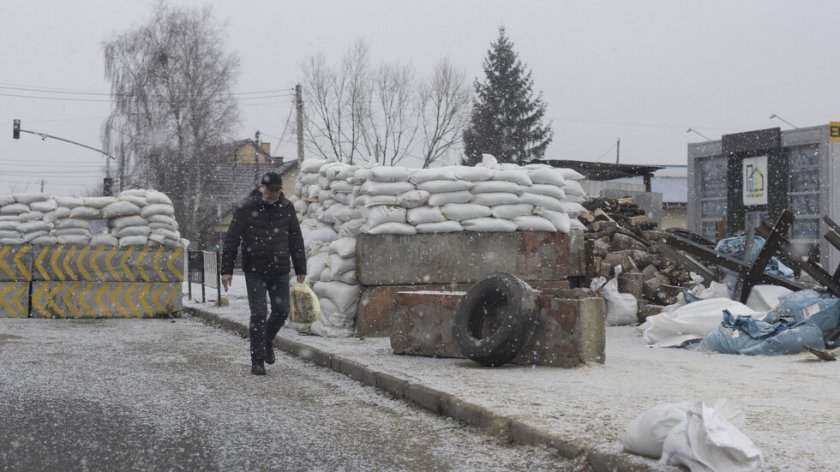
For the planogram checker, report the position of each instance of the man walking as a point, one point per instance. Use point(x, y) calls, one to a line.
point(267, 228)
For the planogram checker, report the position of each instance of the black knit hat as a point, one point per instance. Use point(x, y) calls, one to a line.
point(272, 181)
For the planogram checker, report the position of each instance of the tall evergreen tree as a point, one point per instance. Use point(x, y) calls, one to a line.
point(506, 118)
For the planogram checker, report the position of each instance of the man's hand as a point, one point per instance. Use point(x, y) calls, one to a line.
point(226, 281)
point(301, 278)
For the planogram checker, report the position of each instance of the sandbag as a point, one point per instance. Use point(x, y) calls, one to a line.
point(58, 213)
point(31, 216)
point(86, 212)
point(344, 247)
point(489, 224)
point(513, 175)
point(496, 186)
point(552, 177)
point(534, 223)
point(28, 198)
point(33, 226)
point(135, 231)
point(690, 322)
point(391, 174)
point(474, 174)
point(464, 211)
point(135, 200)
point(385, 188)
point(98, 202)
point(621, 307)
point(14, 209)
point(103, 240)
point(646, 434)
point(133, 241)
point(559, 219)
point(311, 165)
point(69, 202)
point(424, 214)
point(44, 206)
point(123, 221)
point(548, 190)
point(322, 234)
point(413, 198)
point(344, 296)
point(512, 211)
point(436, 173)
point(573, 187)
point(542, 201)
point(439, 227)
point(440, 199)
point(444, 186)
point(73, 239)
point(377, 215)
point(495, 198)
point(339, 265)
point(157, 209)
point(72, 223)
point(392, 228)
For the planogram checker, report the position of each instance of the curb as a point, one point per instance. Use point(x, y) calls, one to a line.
point(444, 404)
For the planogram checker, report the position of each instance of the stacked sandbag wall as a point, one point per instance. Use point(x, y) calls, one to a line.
point(95, 256)
point(336, 202)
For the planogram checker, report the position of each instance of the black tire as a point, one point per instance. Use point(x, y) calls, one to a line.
point(495, 319)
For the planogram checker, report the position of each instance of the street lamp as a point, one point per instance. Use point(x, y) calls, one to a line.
point(782, 119)
point(692, 130)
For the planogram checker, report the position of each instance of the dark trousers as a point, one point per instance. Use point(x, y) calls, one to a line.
point(263, 331)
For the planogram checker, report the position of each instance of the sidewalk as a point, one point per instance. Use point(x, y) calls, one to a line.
point(787, 400)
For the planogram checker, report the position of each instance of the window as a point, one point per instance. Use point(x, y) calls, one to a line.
point(804, 192)
point(713, 185)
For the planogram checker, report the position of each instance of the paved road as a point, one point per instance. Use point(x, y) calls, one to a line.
point(159, 395)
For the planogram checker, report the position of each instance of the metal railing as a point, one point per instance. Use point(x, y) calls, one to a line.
point(203, 267)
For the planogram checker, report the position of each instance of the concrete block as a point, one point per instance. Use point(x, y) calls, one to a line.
point(466, 257)
point(108, 264)
point(77, 299)
point(15, 263)
point(14, 299)
point(421, 323)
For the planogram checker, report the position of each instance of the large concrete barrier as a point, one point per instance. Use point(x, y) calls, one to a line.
point(466, 257)
point(14, 299)
point(15, 274)
point(77, 299)
point(108, 264)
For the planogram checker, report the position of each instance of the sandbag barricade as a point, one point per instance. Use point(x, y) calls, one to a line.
point(105, 282)
point(15, 277)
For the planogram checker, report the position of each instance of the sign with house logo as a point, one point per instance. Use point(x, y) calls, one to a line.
point(834, 130)
point(755, 180)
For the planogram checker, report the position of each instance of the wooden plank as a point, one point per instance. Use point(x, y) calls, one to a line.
point(809, 267)
point(770, 246)
point(686, 262)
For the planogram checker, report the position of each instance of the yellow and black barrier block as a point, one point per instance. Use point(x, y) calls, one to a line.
point(15, 263)
point(82, 299)
point(14, 299)
point(108, 264)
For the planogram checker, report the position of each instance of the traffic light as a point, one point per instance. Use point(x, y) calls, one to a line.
point(108, 187)
point(16, 129)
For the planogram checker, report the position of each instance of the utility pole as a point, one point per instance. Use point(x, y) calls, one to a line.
point(299, 108)
point(617, 148)
point(42, 185)
point(257, 157)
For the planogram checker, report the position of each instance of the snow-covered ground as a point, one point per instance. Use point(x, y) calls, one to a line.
point(787, 400)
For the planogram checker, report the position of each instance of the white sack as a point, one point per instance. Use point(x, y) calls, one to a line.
point(310, 166)
point(73, 232)
point(27, 198)
point(72, 223)
point(73, 239)
point(69, 202)
point(123, 221)
point(157, 209)
point(103, 240)
point(133, 241)
point(14, 209)
point(390, 174)
point(344, 247)
point(413, 198)
point(166, 233)
point(692, 321)
point(496, 186)
point(44, 240)
point(377, 215)
point(443, 186)
point(534, 223)
point(7, 200)
point(573, 187)
point(513, 175)
point(548, 190)
point(440, 199)
point(342, 295)
point(424, 214)
point(31, 216)
point(44, 206)
point(139, 201)
point(12, 241)
point(117, 209)
point(33, 226)
point(98, 202)
point(559, 219)
point(373, 200)
point(9, 225)
point(764, 298)
point(553, 177)
point(543, 201)
point(621, 307)
point(573, 209)
point(85, 212)
point(351, 228)
point(133, 231)
point(464, 211)
point(10, 234)
point(474, 174)
point(339, 265)
point(490, 225)
point(391, 228)
point(58, 213)
point(341, 186)
point(385, 188)
point(512, 211)
point(436, 173)
point(315, 265)
point(495, 198)
point(323, 234)
point(440, 227)
point(645, 435)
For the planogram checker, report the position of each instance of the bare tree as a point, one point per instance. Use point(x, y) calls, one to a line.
point(444, 111)
point(386, 116)
point(171, 82)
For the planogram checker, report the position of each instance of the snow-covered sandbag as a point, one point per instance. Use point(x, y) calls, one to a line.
point(166, 233)
point(391, 174)
point(413, 198)
point(72, 223)
point(444, 186)
point(44, 240)
point(339, 265)
point(553, 177)
point(133, 231)
point(690, 322)
point(123, 221)
point(766, 297)
point(14, 209)
point(103, 240)
point(490, 225)
point(73, 239)
point(513, 175)
point(135, 200)
point(707, 440)
point(33, 226)
point(377, 215)
point(344, 247)
point(542, 201)
point(425, 214)
point(391, 228)
point(12, 241)
point(497, 186)
point(512, 211)
point(9, 225)
point(310, 165)
point(300, 207)
point(322, 234)
point(85, 212)
point(58, 213)
point(351, 228)
point(157, 209)
point(9, 234)
point(440, 227)
point(73, 232)
point(7, 200)
point(372, 187)
point(621, 307)
point(309, 179)
point(120, 208)
point(343, 296)
point(28, 198)
point(315, 265)
point(533, 223)
point(155, 197)
point(440, 199)
point(474, 174)
point(465, 211)
point(373, 200)
point(341, 186)
point(345, 172)
point(576, 225)
point(645, 435)
point(31, 216)
point(573, 187)
point(573, 209)
point(495, 198)
point(361, 175)
point(559, 219)
point(548, 190)
point(44, 206)
point(132, 192)
point(166, 226)
point(490, 161)
point(436, 173)
point(98, 202)
point(69, 202)
point(133, 241)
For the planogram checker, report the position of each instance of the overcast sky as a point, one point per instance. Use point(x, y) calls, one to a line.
point(642, 71)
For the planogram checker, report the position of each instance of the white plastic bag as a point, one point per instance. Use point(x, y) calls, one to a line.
point(304, 307)
point(647, 432)
point(621, 307)
point(707, 440)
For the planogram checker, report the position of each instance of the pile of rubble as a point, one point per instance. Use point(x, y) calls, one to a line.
point(619, 233)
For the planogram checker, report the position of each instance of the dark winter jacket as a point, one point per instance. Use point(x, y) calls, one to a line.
point(269, 235)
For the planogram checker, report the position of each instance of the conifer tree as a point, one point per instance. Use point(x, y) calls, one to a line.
point(506, 118)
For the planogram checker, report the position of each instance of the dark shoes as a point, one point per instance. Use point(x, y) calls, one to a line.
point(269, 353)
point(258, 368)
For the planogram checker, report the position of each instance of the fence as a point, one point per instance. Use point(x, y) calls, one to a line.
point(203, 268)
